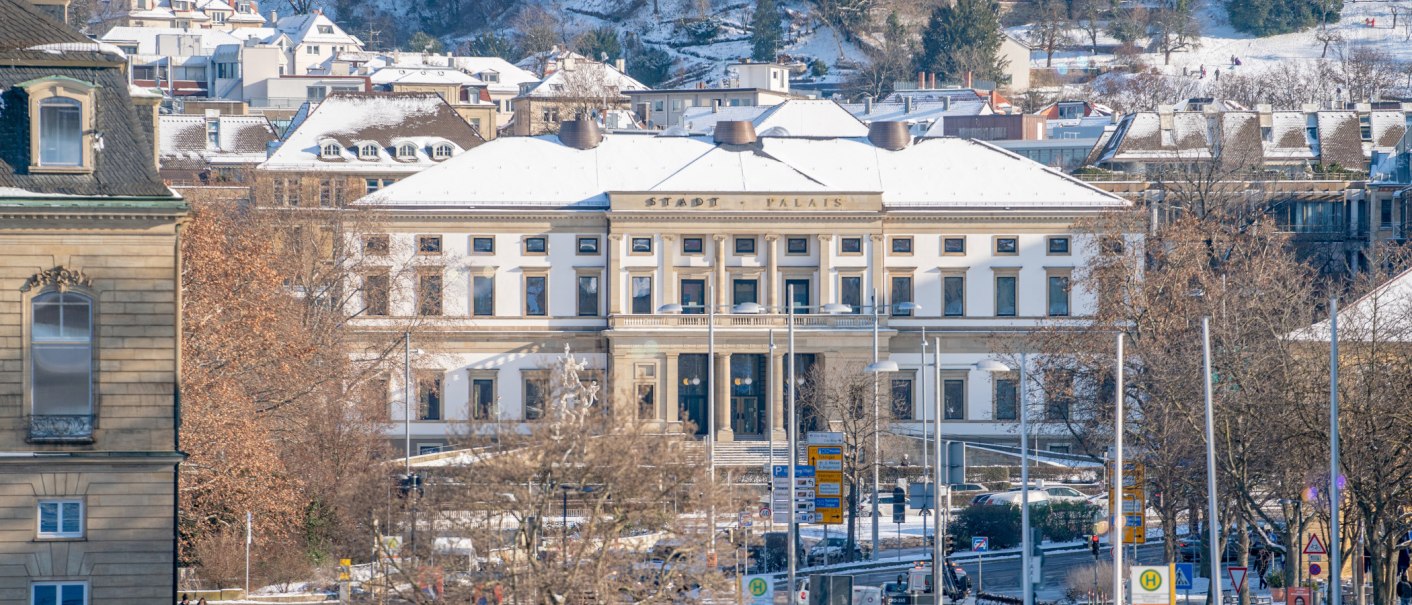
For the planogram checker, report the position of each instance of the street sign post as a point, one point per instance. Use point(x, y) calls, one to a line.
point(800, 496)
point(1237, 578)
point(1315, 546)
point(1134, 505)
point(1181, 578)
point(1152, 585)
point(827, 461)
point(758, 590)
point(980, 543)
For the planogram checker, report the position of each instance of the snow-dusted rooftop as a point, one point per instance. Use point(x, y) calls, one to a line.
point(239, 139)
point(398, 74)
point(931, 173)
point(386, 120)
point(146, 37)
point(795, 117)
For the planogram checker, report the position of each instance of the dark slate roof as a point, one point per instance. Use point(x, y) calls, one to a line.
point(123, 167)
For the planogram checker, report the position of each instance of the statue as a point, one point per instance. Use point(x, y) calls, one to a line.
point(569, 397)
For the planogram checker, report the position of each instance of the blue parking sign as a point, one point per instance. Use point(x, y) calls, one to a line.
point(980, 543)
point(1185, 571)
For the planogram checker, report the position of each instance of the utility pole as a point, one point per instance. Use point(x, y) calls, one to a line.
point(1212, 520)
point(1115, 507)
point(1335, 542)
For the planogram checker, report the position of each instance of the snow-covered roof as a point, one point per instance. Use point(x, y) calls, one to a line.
point(242, 139)
point(146, 37)
point(795, 117)
point(388, 119)
point(933, 173)
point(422, 75)
point(314, 28)
point(920, 112)
point(580, 73)
point(214, 5)
point(1384, 314)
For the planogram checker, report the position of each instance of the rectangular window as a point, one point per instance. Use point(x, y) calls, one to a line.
point(482, 399)
point(953, 245)
point(901, 245)
point(376, 294)
point(744, 245)
point(371, 185)
point(797, 245)
point(1007, 245)
point(797, 290)
point(534, 398)
point(536, 245)
point(693, 296)
point(1058, 295)
point(850, 292)
point(902, 398)
point(1058, 246)
point(60, 519)
point(745, 291)
point(59, 593)
point(327, 195)
point(376, 245)
point(850, 245)
point(588, 296)
point(588, 246)
point(60, 132)
point(429, 292)
point(483, 295)
point(483, 245)
point(1007, 399)
point(953, 289)
point(641, 295)
point(901, 293)
point(536, 295)
point(642, 245)
point(1005, 296)
point(646, 401)
point(428, 244)
point(1385, 213)
point(692, 245)
point(953, 392)
point(1058, 395)
point(429, 396)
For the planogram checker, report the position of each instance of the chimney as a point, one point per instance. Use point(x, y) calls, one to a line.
point(933, 82)
point(867, 105)
point(580, 133)
point(906, 104)
point(892, 136)
point(318, 11)
point(734, 132)
point(621, 65)
point(715, 106)
point(968, 78)
point(274, 16)
point(921, 79)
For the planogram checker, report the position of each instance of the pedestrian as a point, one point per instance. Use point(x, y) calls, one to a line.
point(499, 593)
point(203, 601)
point(1218, 73)
point(185, 600)
point(1404, 591)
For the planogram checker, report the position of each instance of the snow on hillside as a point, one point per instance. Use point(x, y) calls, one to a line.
point(1220, 41)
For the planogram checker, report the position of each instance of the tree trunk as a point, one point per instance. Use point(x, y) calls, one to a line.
point(852, 516)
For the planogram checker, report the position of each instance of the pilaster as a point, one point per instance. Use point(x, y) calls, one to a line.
point(721, 407)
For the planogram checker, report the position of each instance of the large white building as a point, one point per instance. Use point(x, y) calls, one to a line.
point(523, 245)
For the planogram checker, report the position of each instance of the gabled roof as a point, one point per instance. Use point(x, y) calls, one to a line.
point(561, 83)
point(304, 29)
point(242, 139)
point(944, 174)
point(421, 118)
point(794, 117)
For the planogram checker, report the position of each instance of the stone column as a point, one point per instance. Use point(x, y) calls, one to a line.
point(615, 273)
point(721, 407)
point(772, 277)
point(876, 263)
point(778, 419)
point(825, 271)
point(669, 398)
point(669, 269)
point(723, 288)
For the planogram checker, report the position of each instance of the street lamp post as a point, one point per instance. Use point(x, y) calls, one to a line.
point(1213, 522)
point(1120, 518)
point(907, 307)
point(1335, 543)
point(995, 367)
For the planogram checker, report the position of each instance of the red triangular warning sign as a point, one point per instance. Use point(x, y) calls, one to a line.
point(1237, 577)
point(1315, 546)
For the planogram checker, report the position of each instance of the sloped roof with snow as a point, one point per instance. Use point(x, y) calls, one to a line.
point(583, 72)
point(794, 117)
point(395, 74)
point(388, 119)
point(1384, 314)
point(304, 29)
point(932, 173)
point(241, 139)
point(920, 112)
point(146, 37)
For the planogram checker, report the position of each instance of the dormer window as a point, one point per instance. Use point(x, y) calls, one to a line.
point(368, 152)
point(441, 152)
point(325, 29)
point(61, 134)
point(331, 150)
point(406, 151)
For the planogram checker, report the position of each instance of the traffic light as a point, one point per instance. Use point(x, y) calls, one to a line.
point(949, 545)
point(406, 484)
point(1093, 545)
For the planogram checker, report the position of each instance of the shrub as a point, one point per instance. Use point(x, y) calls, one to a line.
point(1001, 524)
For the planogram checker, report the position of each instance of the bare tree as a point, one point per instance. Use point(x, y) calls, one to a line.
point(1173, 28)
point(1091, 16)
point(1051, 29)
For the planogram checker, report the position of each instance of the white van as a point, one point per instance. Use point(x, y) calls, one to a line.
point(862, 595)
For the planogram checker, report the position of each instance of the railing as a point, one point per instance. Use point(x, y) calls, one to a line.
point(827, 322)
point(61, 428)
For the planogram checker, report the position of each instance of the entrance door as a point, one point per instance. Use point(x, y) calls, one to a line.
point(691, 391)
point(800, 289)
point(748, 401)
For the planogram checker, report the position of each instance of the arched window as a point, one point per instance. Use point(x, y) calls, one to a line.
point(331, 150)
point(61, 365)
point(441, 152)
point(368, 152)
point(407, 151)
point(60, 132)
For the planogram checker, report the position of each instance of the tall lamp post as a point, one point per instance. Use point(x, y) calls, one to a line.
point(1335, 543)
point(1213, 521)
point(878, 367)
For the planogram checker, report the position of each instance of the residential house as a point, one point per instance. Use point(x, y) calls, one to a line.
point(574, 85)
point(746, 84)
point(315, 40)
point(349, 145)
point(464, 92)
point(90, 309)
point(178, 14)
point(213, 150)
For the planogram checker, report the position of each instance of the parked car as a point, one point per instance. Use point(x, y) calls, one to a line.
point(1037, 496)
point(1063, 493)
point(862, 595)
point(958, 489)
point(980, 499)
point(834, 550)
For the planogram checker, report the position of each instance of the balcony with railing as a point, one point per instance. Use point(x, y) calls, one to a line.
point(61, 428)
point(745, 321)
